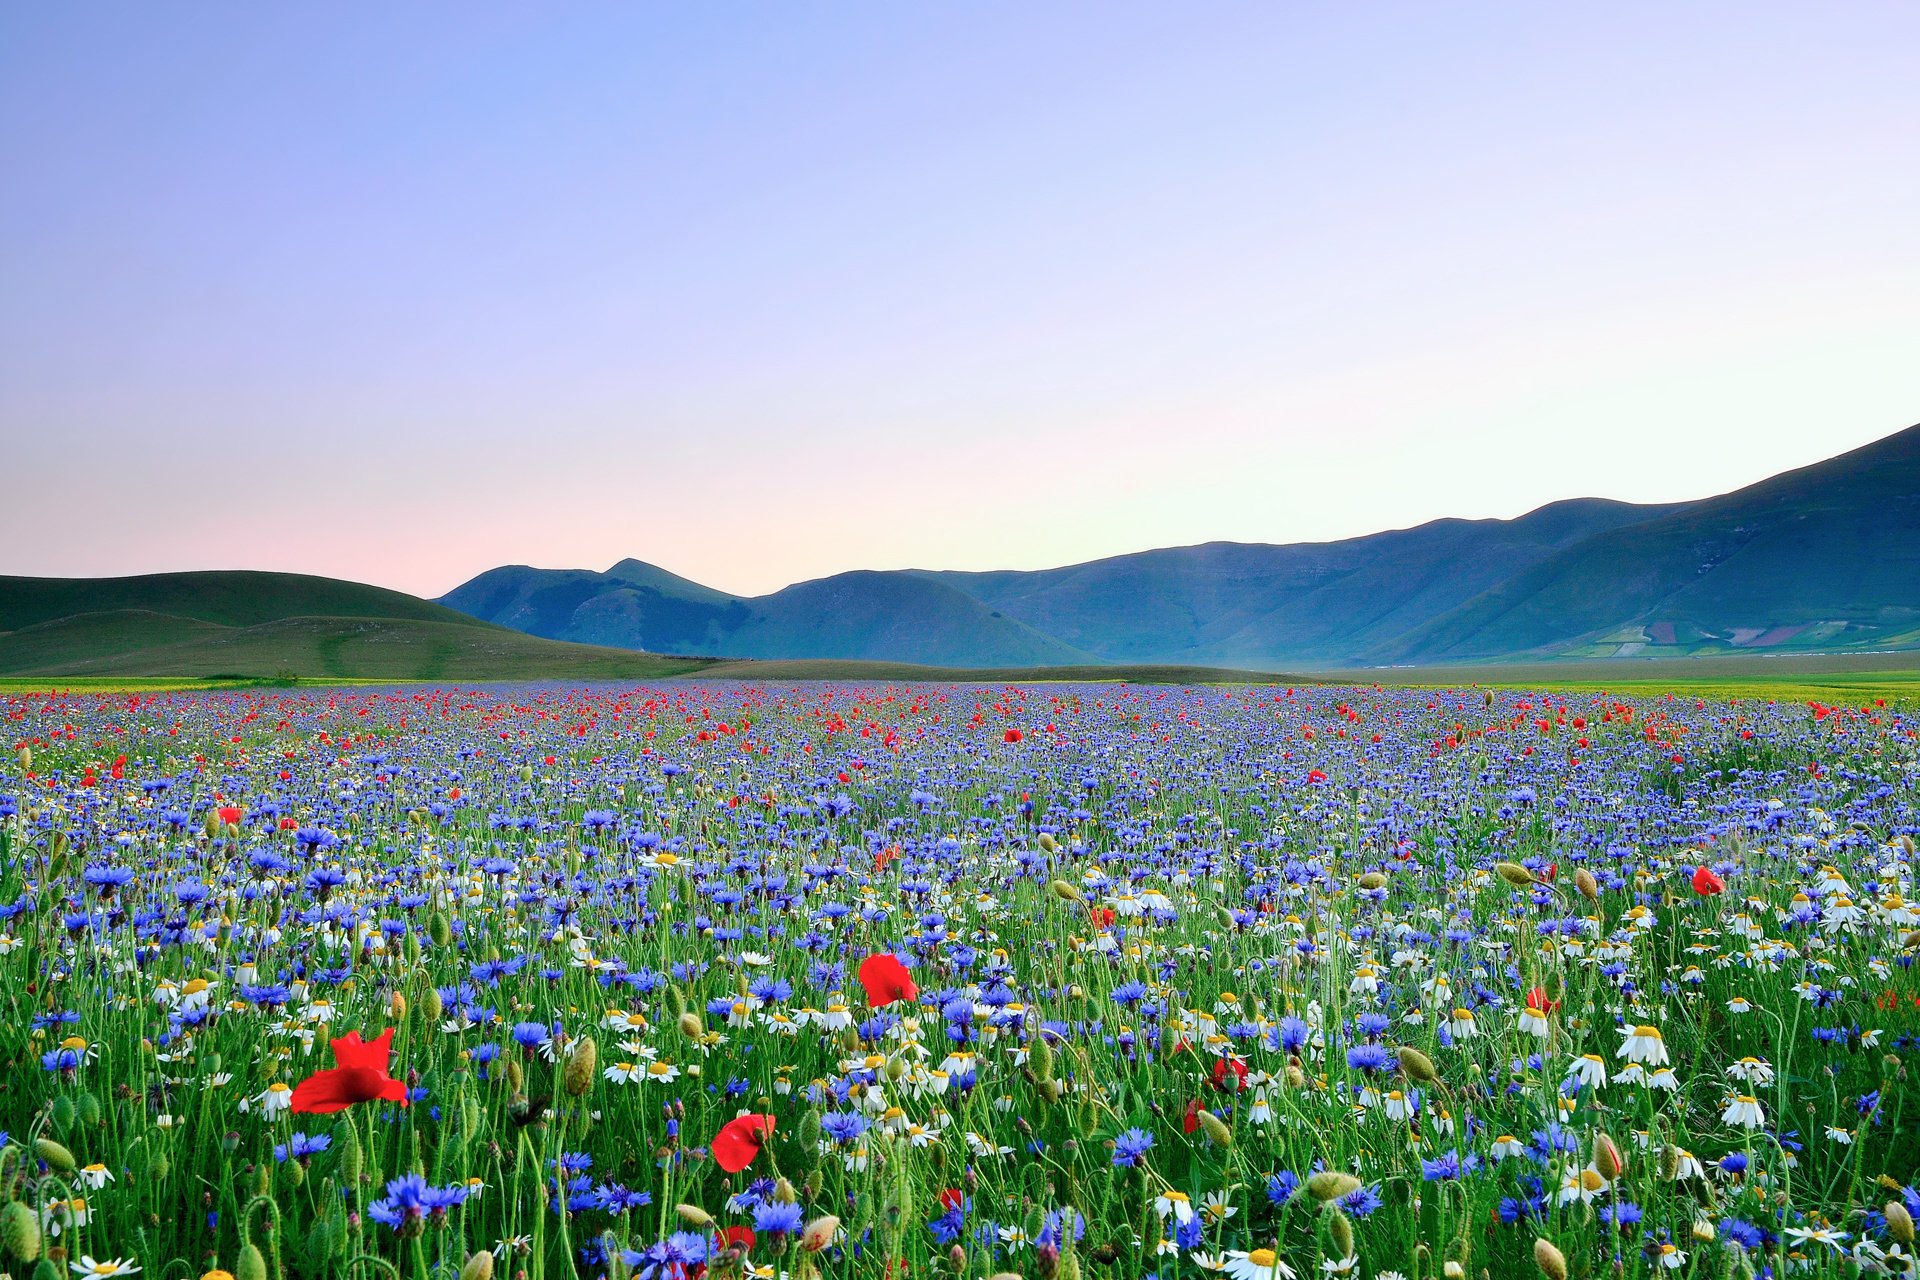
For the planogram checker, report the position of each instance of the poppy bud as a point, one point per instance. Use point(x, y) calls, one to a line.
point(1340, 1230)
point(1552, 1263)
point(26, 758)
point(440, 929)
point(58, 1158)
point(62, 1113)
point(819, 1233)
point(1217, 1130)
point(1373, 880)
point(1330, 1184)
point(691, 1027)
point(397, 1006)
point(432, 1006)
point(1067, 890)
point(479, 1266)
point(252, 1264)
point(783, 1192)
point(578, 1077)
point(1899, 1222)
point(1041, 1057)
point(515, 1077)
point(1607, 1158)
point(350, 1160)
point(1514, 874)
point(1417, 1064)
point(20, 1232)
point(1588, 886)
point(693, 1215)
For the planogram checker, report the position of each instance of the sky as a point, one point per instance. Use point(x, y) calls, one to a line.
point(764, 292)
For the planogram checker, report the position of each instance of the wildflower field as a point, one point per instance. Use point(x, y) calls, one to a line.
point(735, 980)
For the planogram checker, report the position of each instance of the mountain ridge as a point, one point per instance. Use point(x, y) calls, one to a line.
point(1577, 577)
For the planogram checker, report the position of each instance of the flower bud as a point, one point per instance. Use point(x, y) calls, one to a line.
point(1607, 1157)
point(1514, 874)
point(693, 1215)
point(1899, 1222)
point(252, 1264)
point(1067, 890)
point(1552, 1263)
point(1330, 1184)
point(581, 1063)
point(479, 1266)
point(1216, 1128)
point(1588, 886)
point(819, 1233)
point(1340, 1230)
point(1417, 1065)
point(58, 1158)
point(20, 1232)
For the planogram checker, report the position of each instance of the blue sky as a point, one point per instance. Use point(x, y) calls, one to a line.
point(762, 293)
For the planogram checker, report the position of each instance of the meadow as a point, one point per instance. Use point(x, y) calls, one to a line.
point(735, 979)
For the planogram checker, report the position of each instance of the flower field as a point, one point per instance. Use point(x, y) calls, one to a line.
point(733, 980)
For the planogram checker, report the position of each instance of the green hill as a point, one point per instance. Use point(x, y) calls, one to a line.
point(265, 624)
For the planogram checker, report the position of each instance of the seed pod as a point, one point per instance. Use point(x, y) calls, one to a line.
point(58, 1158)
point(1514, 874)
point(1417, 1065)
point(1899, 1222)
point(20, 1232)
point(1217, 1129)
point(1588, 886)
point(1340, 1229)
point(1331, 1184)
point(478, 1266)
point(581, 1063)
point(252, 1264)
point(1067, 890)
point(819, 1233)
point(1552, 1263)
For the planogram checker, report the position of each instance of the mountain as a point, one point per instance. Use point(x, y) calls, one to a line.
point(1827, 557)
point(268, 624)
point(1823, 558)
point(888, 617)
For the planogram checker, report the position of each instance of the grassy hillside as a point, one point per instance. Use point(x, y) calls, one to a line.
point(231, 624)
point(237, 598)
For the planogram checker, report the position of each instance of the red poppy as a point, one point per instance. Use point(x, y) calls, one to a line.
point(1229, 1074)
point(1191, 1121)
point(359, 1075)
point(739, 1141)
point(1537, 1000)
point(886, 980)
point(1102, 916)
point(231, 815)
point(1013, 735)
point(1706, 883)
point(952, 1198)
